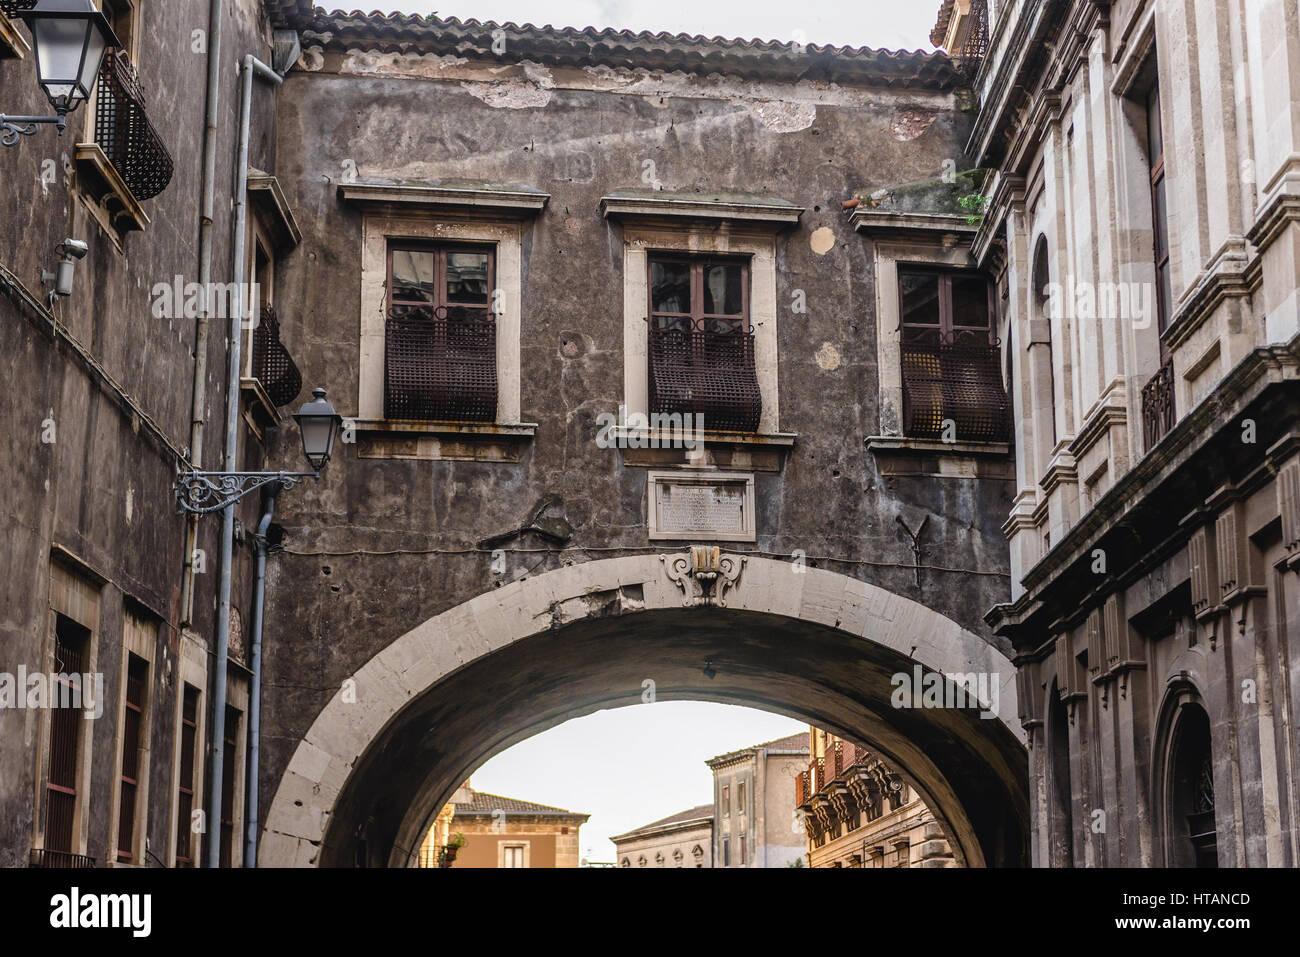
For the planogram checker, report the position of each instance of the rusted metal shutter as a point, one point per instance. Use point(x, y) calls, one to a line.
point(273, 367)
point(957, 382)
point(707, 373)
point(440, 365)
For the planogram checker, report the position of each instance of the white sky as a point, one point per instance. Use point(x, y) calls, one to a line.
point(629, 766)
point(892, 24)
point(634, 765)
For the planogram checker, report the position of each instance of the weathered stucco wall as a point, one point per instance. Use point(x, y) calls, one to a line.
point(384, 544)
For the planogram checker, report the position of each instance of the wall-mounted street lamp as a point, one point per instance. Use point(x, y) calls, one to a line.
point(71, 38)
point(205, 492)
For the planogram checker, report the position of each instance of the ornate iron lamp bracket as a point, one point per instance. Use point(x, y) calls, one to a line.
point(12, 127)
point(206, 492)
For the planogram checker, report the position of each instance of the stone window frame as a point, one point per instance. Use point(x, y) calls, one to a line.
point(75, 593)
point(511, 843)
point(193, 671)
point(139, 638)
point(378, 229)
point(640, 240)
point(888, 255)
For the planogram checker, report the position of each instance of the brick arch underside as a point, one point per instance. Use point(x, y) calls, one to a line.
point(820, 647)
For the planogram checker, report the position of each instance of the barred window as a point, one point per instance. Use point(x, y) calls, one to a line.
point(701, 343)
point(952, 378)
point(440, 334)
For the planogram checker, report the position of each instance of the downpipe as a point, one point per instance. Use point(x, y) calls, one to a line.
point(252, 67)
point(198, 398)
point(255, 693)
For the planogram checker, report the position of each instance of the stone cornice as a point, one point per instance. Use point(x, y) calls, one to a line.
point(1249, 379)
point(1226, 276)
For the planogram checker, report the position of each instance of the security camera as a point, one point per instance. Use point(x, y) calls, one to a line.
point(70, 250)
point(74, 248)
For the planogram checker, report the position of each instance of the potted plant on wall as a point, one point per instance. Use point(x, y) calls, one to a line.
point(449, 850)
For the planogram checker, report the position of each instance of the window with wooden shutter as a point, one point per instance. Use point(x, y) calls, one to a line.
point(71, 645)
point(186, 781)
point(229, 752)
point(133, 724)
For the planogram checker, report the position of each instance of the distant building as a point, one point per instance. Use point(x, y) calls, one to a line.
point(503, 832)
point(753, 825)
point(858, 812)
point(684, 839)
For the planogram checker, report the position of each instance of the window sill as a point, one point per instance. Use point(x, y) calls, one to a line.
point(259, 411)
point(660, 439)
point(13, 46)
point(460, 429)
point(112, 201)
point(890, 444)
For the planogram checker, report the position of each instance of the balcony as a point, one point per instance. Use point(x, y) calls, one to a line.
point(707, 372)
point(127, 163)
point(955, 382)
point(440, 366)
point(45, 858)
point(273, 379)
point(1158, 405)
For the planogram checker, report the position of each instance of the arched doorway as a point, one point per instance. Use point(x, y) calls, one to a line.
point(388, 751)
point(1185, 763)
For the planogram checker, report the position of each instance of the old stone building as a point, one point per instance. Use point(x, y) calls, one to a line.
point(1142, 226)
point(477, 829)
point(98, 415)
point(859, 812)
point(684, 839)
point(752, 788)
point(525, 262)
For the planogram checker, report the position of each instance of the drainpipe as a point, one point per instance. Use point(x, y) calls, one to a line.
point(198, 401)
point(255, 695)
point(252, 67)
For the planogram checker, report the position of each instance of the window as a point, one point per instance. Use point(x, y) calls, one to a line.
point(740, 798)
point(952, 380)
point(726, 852)
point(230, 750)
point(1158, 411)
point(440, 352)
point(186, 783)
point(726, 800)
point(134, 758)
point(743, 856)
point(62, 827)
point(512, 855)
point(701, 343)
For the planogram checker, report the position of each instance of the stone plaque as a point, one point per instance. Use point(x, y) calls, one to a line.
point(703, 506)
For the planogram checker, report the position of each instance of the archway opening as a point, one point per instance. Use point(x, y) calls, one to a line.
point(821, 648)
point(1192, 836)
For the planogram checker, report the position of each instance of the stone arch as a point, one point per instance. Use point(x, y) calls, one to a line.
point(1183, 779)
point(514, 661)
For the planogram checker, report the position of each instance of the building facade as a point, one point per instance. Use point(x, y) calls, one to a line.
point(684, 839)
point(104, 404)
point(1142, 226)
point(859, 812)
point(488, 830)
point(752, 790)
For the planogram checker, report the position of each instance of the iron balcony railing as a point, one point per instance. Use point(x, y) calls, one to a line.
point(123, 130)
point(706, 371)
point(955, 382)
point(969, 56)
point(273, 367)
point(440, 365)
point(1158, 405)
point(45, 857)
